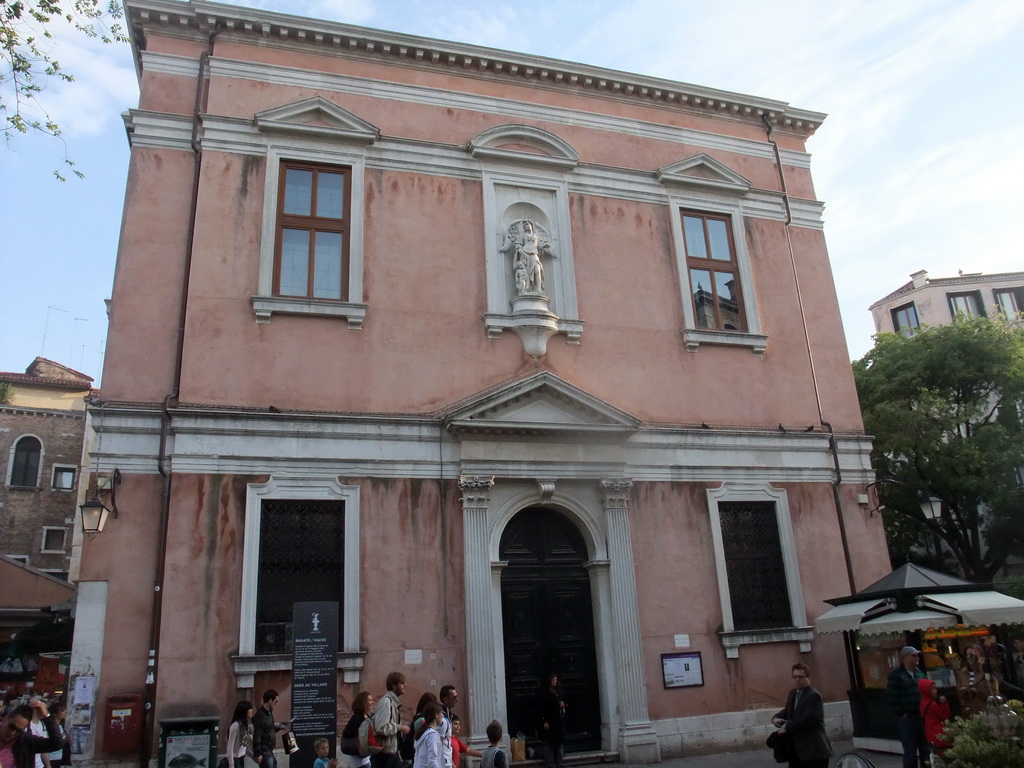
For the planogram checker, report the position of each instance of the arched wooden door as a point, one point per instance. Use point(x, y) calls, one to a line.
point(548, 624)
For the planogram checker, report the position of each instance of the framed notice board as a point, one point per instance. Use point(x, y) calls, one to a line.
point(681, 670)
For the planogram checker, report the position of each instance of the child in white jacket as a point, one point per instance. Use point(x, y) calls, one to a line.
point(428, 739)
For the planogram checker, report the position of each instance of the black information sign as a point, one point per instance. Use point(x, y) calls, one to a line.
point(314, 679)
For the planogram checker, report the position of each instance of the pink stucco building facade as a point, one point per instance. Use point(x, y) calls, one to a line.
point(532, 366)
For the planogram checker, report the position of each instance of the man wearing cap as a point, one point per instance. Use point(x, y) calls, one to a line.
point(904, 699)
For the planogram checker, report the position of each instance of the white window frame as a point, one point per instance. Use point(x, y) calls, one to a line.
point(298, 488)
point(291, 135)
point(64, 540)
point(53, 476)
point(740, 491)
point(23, 559)
point(702, 184)
point(693, 335)
point(42, 461)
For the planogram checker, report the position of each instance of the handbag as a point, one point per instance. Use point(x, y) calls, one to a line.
point(781, 745)
point(350, 746)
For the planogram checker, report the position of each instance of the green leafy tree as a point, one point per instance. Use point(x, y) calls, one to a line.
point(28, 61)
point(6, 392)
point(945, 407)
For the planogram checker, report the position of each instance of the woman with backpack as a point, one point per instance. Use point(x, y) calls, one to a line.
point(362, 708)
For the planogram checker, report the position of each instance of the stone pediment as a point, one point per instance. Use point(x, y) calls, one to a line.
point(317, 116)
point(703, 171)
point(542, 405)
point(524, 144)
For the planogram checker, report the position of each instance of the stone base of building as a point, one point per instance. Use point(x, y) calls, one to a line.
point(736, 731)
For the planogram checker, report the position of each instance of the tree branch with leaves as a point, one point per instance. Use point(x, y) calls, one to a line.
point(28, 59)
point(946, 409)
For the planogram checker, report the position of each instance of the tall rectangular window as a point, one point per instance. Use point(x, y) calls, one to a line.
point(758, 592)
point(904, 320)
point(302, 558)
point(967, 303)
point(714, 276)
point(313, 226)
point(1010, 301)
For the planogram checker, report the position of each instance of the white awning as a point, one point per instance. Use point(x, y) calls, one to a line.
point(977, 608)
point(845, 617)
point(907, 622)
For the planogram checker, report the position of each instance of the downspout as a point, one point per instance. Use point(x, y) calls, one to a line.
point(152, 668)
point(832, 445)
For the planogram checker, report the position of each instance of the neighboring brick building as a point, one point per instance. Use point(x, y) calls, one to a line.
point(42, 427)
point(529, 365)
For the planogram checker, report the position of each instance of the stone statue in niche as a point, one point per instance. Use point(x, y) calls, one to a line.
point(527, 247)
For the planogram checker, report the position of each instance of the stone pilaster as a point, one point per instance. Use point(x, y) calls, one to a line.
point(638, 742)
point(482, 646)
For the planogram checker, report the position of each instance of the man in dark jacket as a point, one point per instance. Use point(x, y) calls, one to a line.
point(803, 720)
point(264, 729)
point(904, 699)
point(20, 744)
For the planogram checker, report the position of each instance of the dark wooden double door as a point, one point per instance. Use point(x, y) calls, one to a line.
point(548, 625)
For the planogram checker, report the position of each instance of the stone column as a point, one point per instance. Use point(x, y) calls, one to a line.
point(481, 642)
point(638, 742)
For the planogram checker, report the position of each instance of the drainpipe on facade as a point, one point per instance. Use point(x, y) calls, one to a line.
point(832, 445)
point(152, 668)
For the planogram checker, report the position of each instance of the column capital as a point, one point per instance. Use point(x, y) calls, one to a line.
point(615, 493)
point(476, 490)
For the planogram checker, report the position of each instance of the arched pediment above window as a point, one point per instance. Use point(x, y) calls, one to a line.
point(317, 117)
point(703, 171)
point(524, 144)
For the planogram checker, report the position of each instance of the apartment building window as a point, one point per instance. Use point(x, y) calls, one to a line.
point(714, 278)
point(313, 232)
point(54, 540)
point(967, 303)
point(904, 320)
point(25, 463)
point(63, 477)
point(1010, 301)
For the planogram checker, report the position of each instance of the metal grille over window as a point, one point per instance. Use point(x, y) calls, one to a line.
point(302, 558)
point(753, 556)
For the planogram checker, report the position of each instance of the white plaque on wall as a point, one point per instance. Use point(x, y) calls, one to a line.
point(682, 641)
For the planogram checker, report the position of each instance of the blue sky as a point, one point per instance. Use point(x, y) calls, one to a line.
point(918, 162)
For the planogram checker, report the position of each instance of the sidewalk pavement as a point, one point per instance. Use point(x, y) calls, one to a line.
point(762, 758)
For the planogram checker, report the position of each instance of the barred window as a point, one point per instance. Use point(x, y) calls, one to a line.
point(758, 592)
point(301, 559)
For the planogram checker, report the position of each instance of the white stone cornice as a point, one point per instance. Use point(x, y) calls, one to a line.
point(335, 445)
point(240, 136)
point(197, 20)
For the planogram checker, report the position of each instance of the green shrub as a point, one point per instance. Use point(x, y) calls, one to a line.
point(975, 746)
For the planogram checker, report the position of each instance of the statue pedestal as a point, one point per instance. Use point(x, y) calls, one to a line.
point(534, 322)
